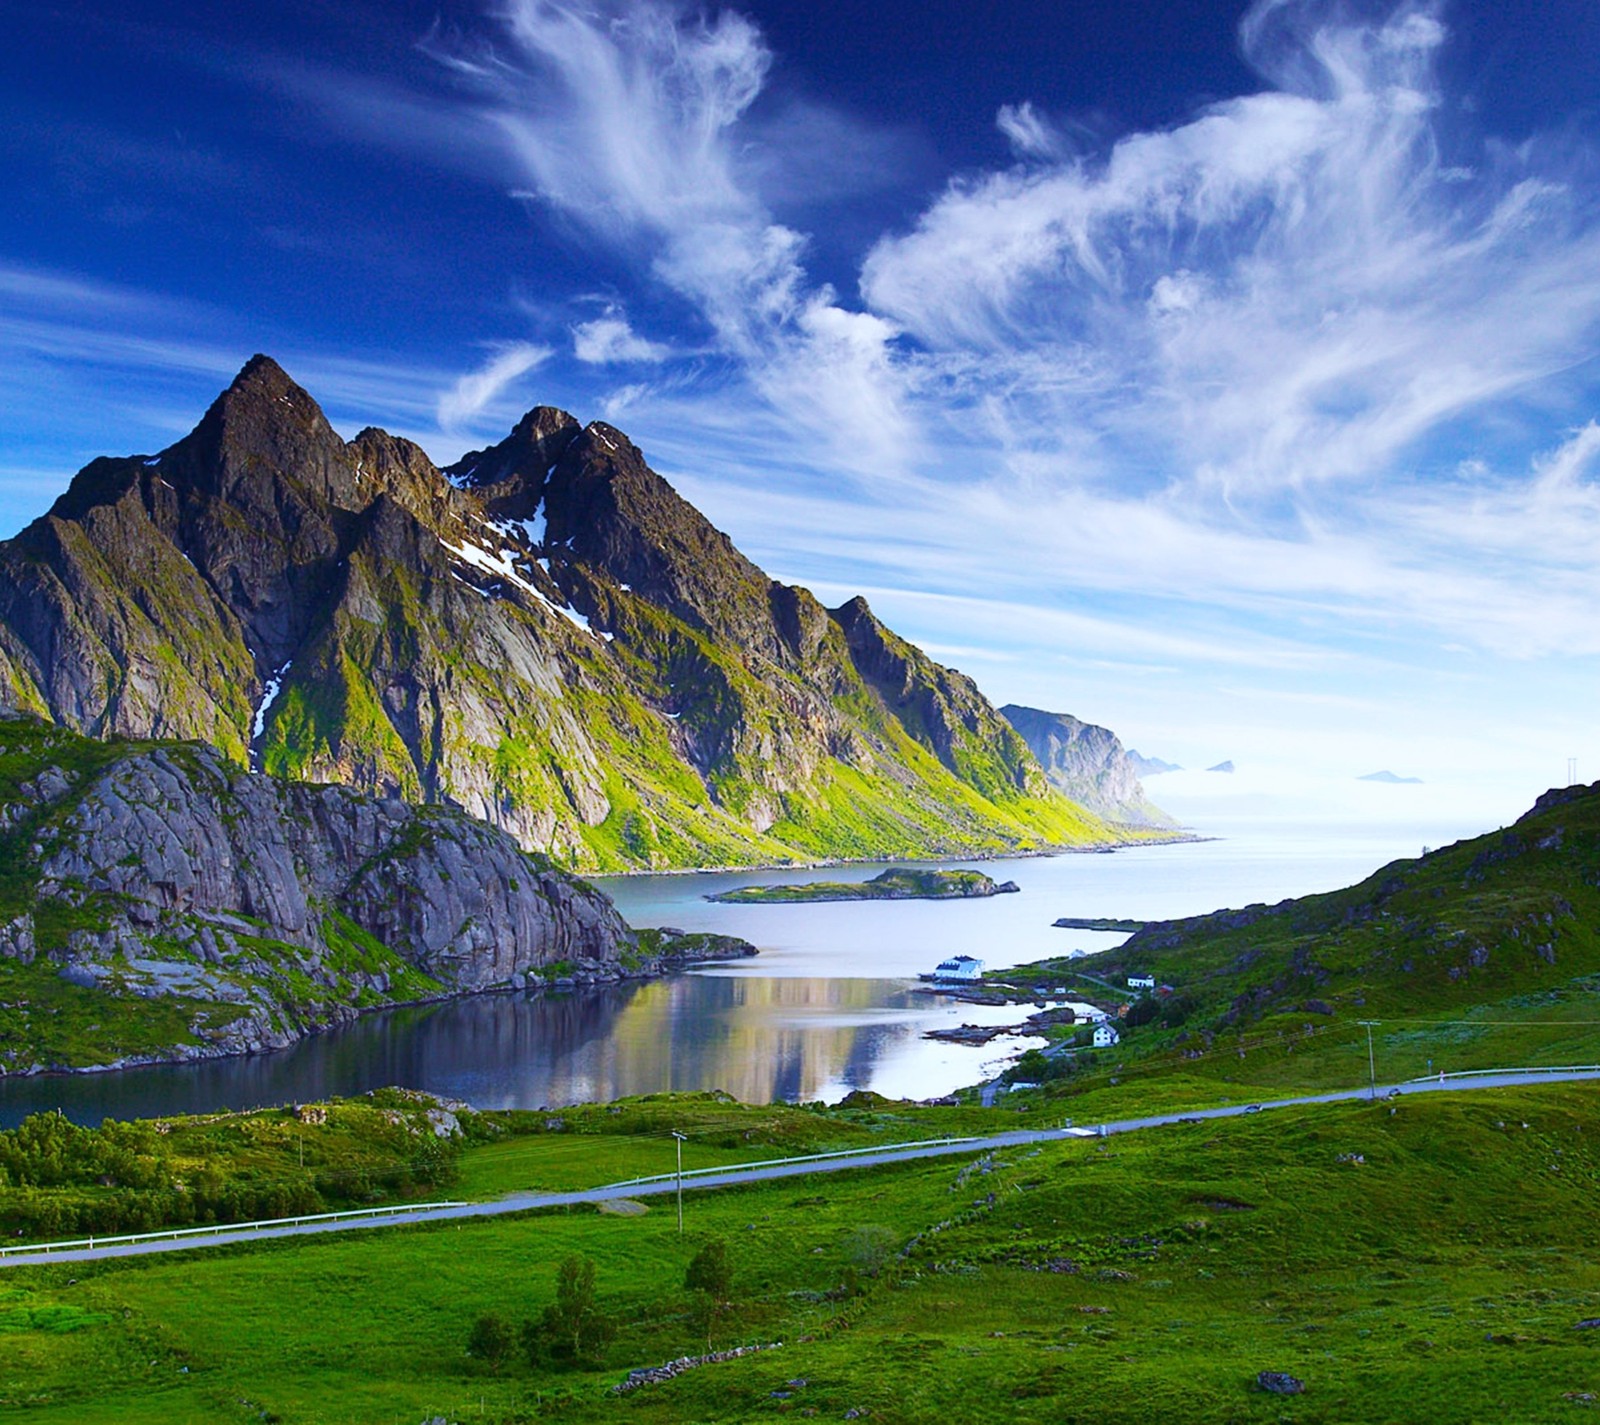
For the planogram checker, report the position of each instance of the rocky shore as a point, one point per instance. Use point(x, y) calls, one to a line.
point(159, 904)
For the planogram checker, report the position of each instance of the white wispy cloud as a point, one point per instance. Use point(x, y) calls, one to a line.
point(1031, 135)
point(626, 118)
point(1291, 287)
point(609, 339)
point(1300, 384)
point(477, 389)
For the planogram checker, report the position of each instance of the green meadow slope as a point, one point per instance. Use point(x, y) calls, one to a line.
point(1426, 1259)
point(1429, 1263)
point(1482, 954)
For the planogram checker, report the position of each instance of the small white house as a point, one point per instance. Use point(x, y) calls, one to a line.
point(1105, 1035)
point(959, 969)
point(1141, 982)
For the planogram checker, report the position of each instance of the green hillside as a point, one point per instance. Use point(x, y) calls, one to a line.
point(1482, 954)
point(1430, 1265)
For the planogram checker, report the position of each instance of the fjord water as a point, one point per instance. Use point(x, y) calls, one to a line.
point(829, 1006)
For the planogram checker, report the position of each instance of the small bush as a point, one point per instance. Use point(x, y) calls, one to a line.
point(491, 1340)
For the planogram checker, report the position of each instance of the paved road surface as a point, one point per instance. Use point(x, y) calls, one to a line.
point(521, 1202)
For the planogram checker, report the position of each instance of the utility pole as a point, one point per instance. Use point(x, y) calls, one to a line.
point(681, 1141)
point(1372, 1063)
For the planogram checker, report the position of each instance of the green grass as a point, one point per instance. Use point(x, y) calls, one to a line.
point(1481, 955)
point(1427, 1265)
point(46, 1020)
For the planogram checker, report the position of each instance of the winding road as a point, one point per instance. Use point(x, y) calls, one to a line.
point(34, 1255)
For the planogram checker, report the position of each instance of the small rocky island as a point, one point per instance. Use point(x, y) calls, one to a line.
point(896, 884)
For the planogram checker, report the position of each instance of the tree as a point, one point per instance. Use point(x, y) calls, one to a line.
point(572, 1328)
point(710, 1271)
point(490, 1341)
point(710, 1281)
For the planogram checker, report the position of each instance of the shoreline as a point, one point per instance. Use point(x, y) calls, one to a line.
point(1044, 853)
point(187, 1054)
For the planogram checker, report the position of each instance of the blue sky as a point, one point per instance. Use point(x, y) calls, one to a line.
point(1223, 374)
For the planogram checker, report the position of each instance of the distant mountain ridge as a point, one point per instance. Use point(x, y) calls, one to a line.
point(545, 635)
point(1088, 764)
point(1149, 766)
point(1390, 778)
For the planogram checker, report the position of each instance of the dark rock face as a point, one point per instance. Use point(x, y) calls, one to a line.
point(545, 635)
point(173, 836)
point(1088, 764)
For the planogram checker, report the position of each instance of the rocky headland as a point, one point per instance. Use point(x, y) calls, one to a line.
point(158, 902)
point(1090, 765)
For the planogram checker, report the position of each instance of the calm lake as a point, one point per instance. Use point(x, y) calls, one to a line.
point(829, 1006)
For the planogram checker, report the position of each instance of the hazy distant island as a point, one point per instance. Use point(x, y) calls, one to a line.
point(1222, 767)
point(1390, 778)
point(1074, 922)
point(896, 884)
point(1150, 766)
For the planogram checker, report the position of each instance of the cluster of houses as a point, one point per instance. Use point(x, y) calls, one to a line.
point(1105, 1032)
point(965, 969)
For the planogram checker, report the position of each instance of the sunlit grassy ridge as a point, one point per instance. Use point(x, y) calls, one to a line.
point(1483, 954)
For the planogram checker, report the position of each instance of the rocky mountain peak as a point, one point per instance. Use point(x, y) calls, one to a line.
point(1088, 764)
point(509, 477)
point(612, 511)
point(545, 634)
point(263, 432)
point(391, 465)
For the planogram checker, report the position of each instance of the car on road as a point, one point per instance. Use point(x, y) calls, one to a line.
point(1253, 1108)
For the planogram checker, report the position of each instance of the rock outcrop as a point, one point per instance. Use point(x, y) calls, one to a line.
point(1087, 764)
point(545, 635)
point(235, 912)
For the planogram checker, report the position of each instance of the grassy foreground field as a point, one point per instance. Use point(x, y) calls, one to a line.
point(1423, 1261)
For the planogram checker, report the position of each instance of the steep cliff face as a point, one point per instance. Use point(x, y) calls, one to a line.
point(545, 635)
point(1088, 764)
point(166, 902)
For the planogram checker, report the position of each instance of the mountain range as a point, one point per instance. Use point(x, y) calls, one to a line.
point(543, 634)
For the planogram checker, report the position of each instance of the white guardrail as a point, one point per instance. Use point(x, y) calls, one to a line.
point(217, 1228)
point(1490, 1073)
point(807, 1158)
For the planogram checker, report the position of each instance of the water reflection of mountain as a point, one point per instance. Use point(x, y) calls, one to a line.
point(758, 1038)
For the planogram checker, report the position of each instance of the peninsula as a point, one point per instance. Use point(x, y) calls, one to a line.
point(898, 884)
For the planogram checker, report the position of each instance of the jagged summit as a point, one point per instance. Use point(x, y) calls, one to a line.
point(545, 634)
point(510, 476)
